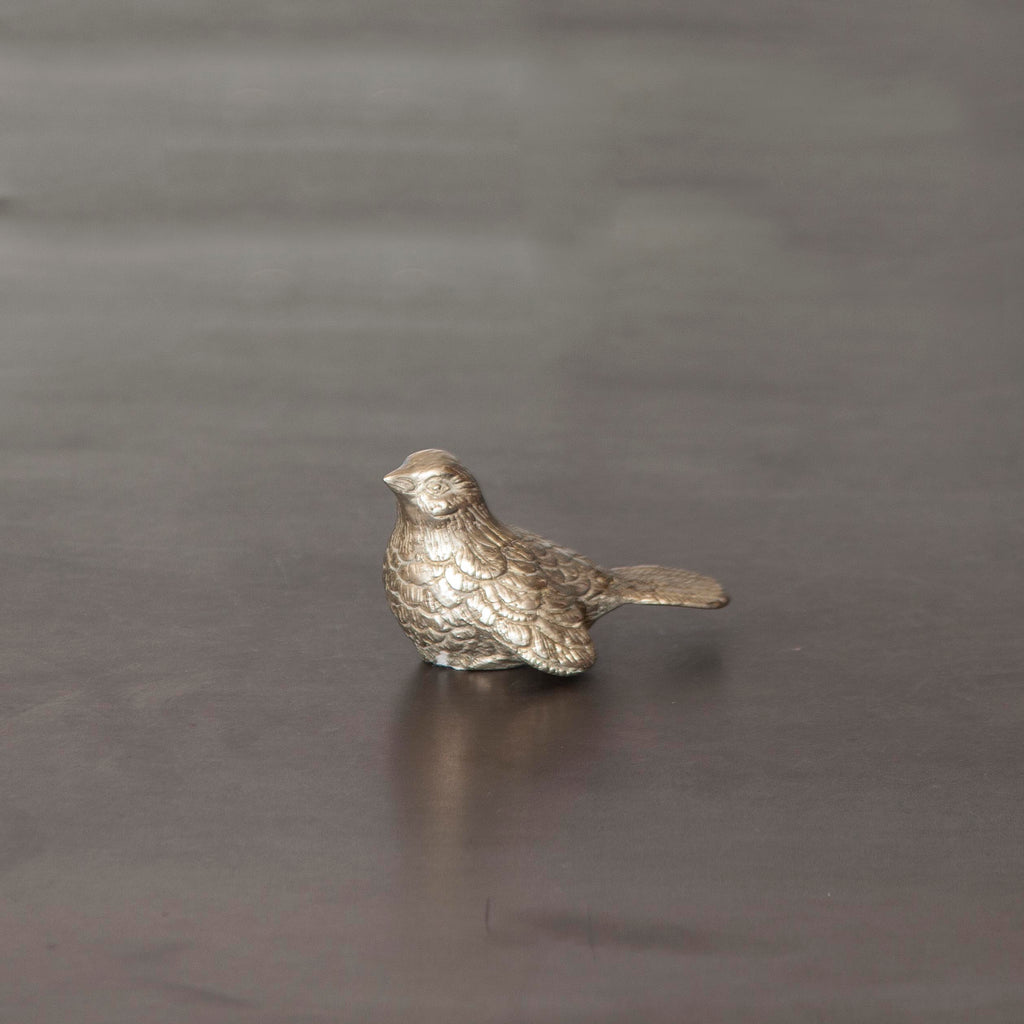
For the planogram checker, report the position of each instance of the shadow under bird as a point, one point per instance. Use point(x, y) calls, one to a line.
point(473, 593)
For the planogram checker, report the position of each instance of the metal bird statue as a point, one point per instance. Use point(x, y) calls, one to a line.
point(473, 593)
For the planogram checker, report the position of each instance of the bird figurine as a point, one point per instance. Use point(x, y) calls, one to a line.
point(473, 593)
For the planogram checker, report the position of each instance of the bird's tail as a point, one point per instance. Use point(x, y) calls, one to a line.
point(654, 584)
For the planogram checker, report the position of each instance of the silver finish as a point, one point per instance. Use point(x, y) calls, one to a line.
point(473, 593)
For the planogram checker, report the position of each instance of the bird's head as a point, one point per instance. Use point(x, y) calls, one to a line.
point(433, 483)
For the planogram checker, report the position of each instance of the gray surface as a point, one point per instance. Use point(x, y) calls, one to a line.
point(760, 262)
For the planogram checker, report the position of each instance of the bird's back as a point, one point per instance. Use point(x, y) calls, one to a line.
point(568, 570)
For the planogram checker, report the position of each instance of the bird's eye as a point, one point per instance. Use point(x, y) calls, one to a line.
point(435, 485)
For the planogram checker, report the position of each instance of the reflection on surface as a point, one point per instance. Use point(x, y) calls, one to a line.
point(475, 755)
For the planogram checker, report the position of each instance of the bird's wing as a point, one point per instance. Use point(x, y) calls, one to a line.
point(530, 607)
point(535, 614)
point(573, 571)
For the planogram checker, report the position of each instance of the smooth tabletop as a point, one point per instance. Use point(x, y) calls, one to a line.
point(729, 286)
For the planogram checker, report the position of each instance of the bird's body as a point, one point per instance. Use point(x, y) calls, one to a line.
point(473, 593)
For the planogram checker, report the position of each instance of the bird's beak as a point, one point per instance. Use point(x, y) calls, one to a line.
point(398, 483)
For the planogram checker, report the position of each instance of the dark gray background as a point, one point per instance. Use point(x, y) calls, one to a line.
point(728, 285)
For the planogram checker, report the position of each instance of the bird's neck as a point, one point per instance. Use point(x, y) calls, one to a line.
point(473, 520)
